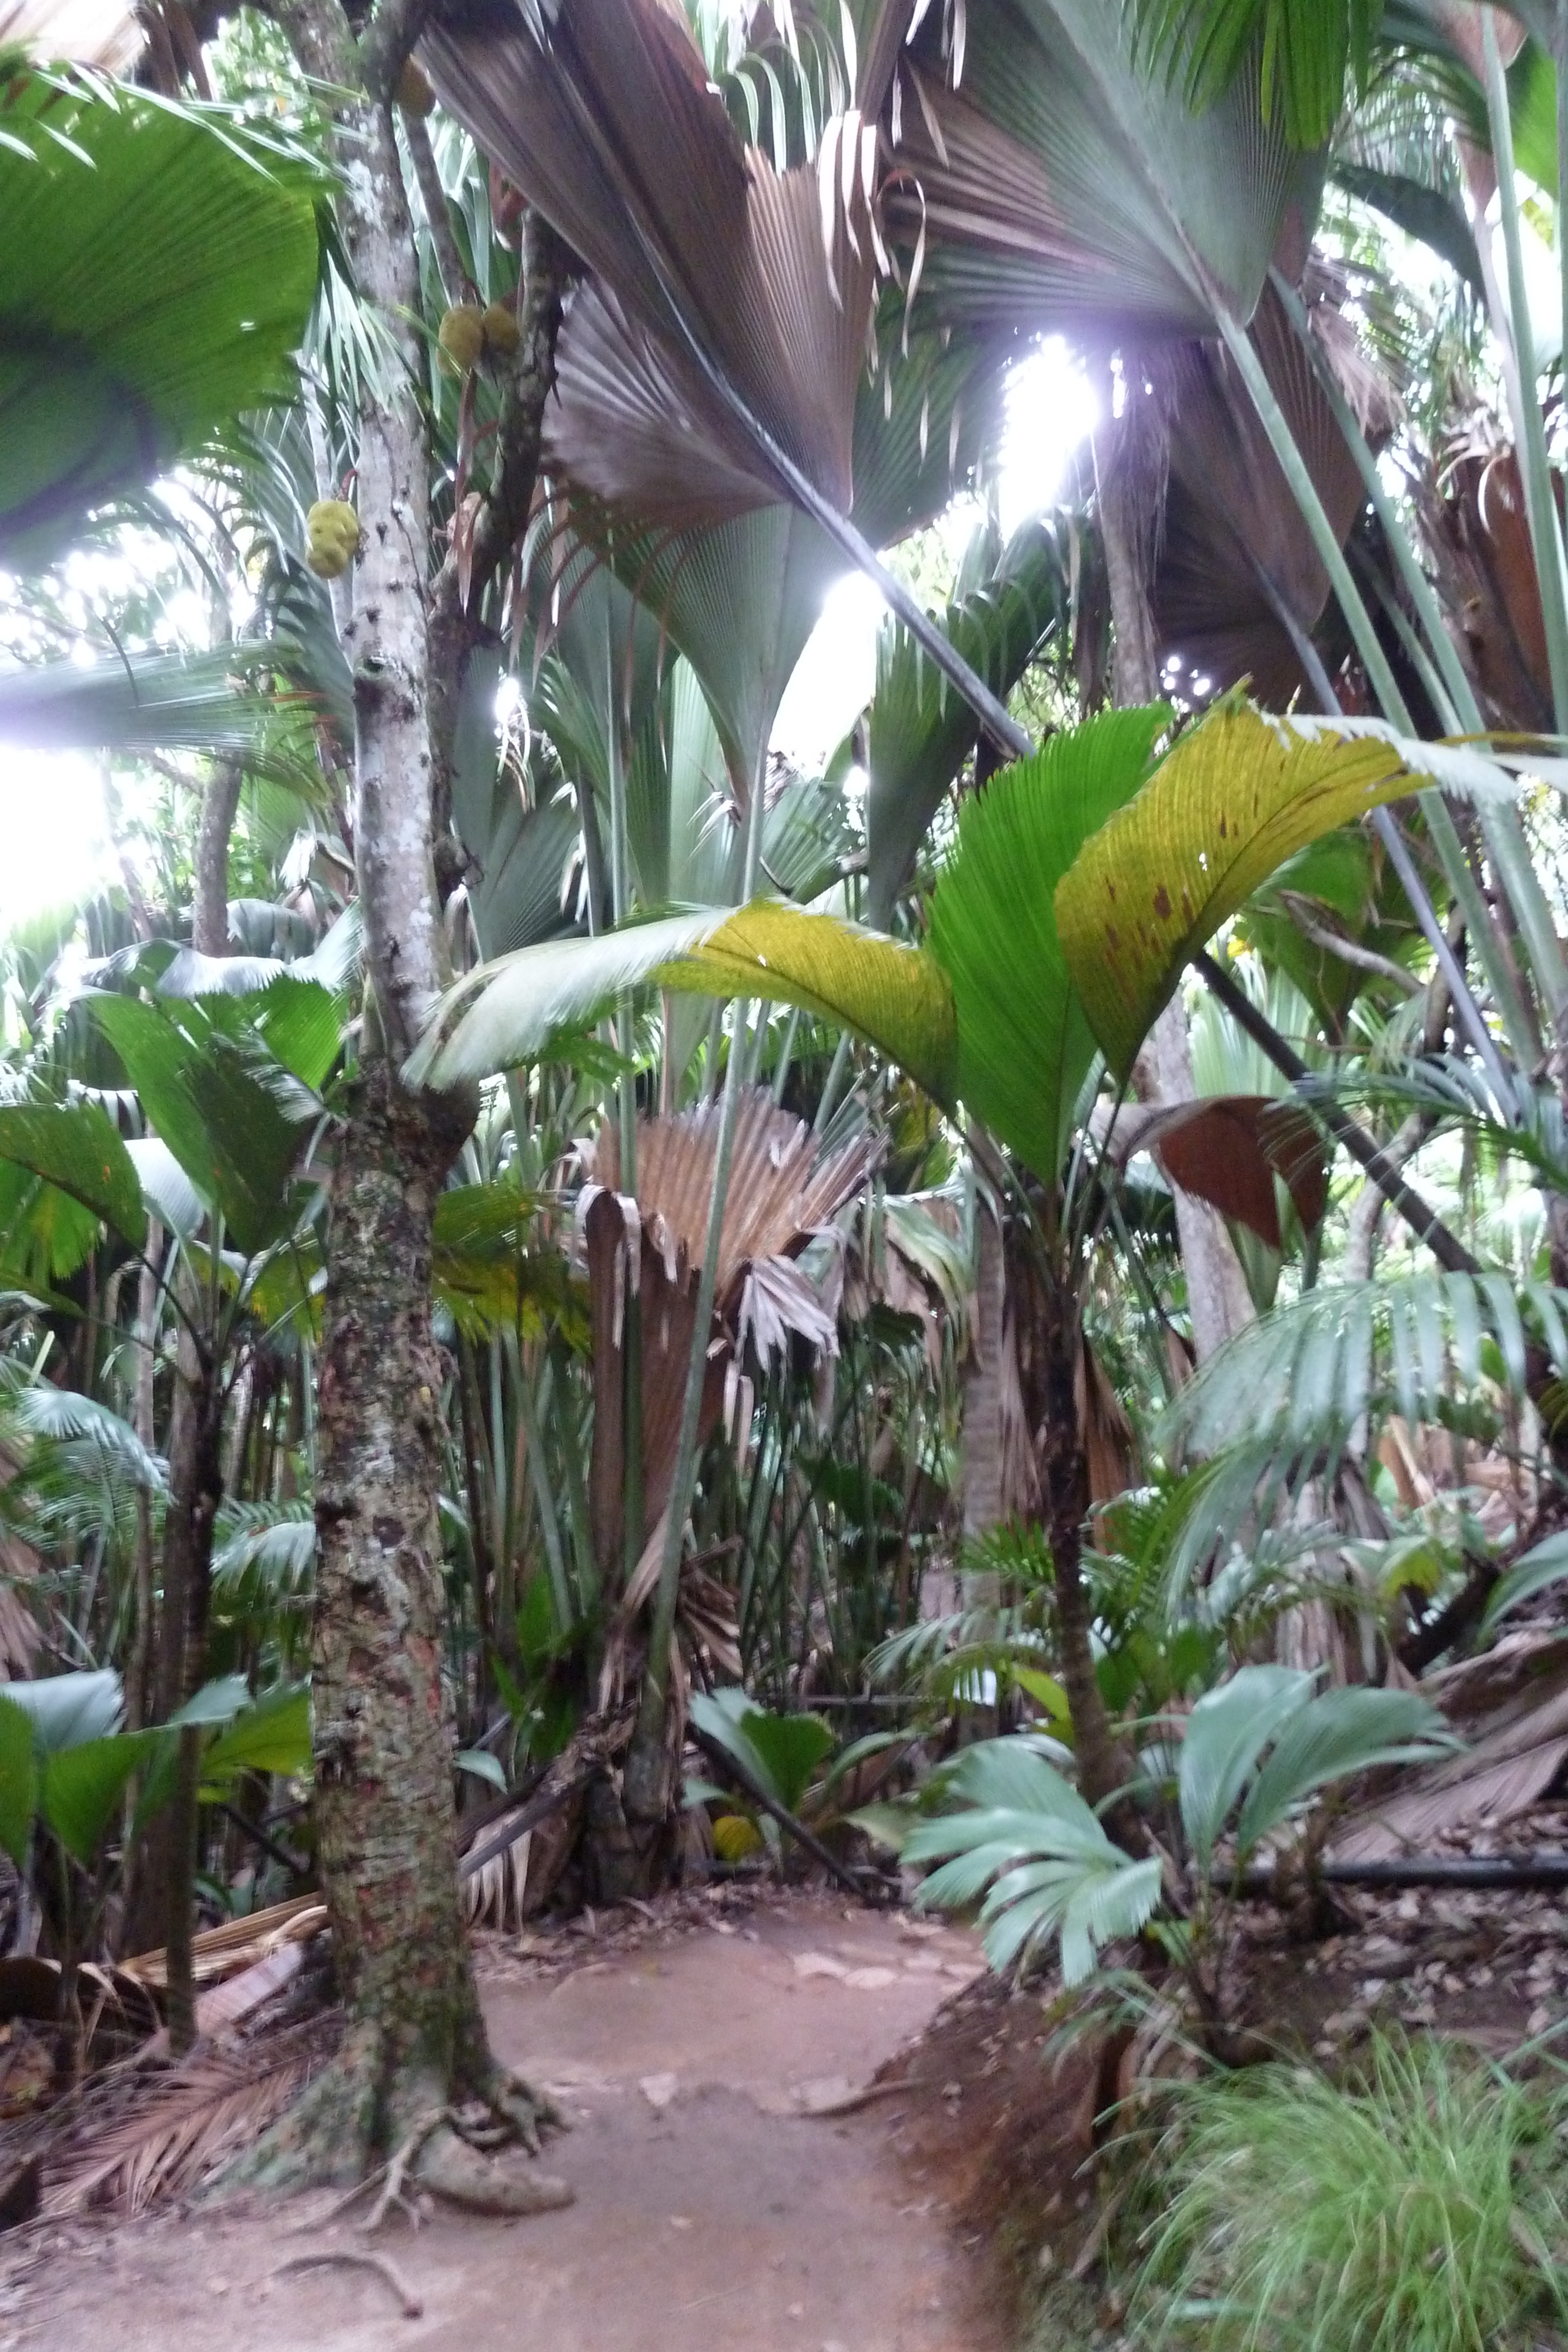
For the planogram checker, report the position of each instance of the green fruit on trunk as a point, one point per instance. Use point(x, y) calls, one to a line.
point(332, 538)
point(413, 93)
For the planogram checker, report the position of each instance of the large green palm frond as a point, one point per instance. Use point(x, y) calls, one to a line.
point(1300, 1378)
point(987, 1013)
point(1236, 797)
point(1025, 1044)
point(159, 267)
point(897, 997)
point(166, 702)
point(1201, 46)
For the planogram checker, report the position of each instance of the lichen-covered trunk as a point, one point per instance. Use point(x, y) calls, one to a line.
point(385, 1819)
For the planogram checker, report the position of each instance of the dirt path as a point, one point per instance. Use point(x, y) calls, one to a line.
point(713, 2206)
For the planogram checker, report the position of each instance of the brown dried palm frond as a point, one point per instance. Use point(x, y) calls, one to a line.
point(495, 1895)
point(183, 2124)
point(632, 427)
point(1235, 548)
point(219, 1952)
point(1510, 1704)
point(782, 1191)
point(607, 120)
point(1470, 503)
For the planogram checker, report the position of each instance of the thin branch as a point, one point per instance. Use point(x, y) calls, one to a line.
point(1348, 950)
point(455, 282)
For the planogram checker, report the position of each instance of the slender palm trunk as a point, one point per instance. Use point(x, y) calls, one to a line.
point(1050, 1344)
point(1132, 498)
point(210, 912)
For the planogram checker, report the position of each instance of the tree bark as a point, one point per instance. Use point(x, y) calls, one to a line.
point(385, 1805)
point(210, 911)
point(160, 1907)
point(139, 1681)
point(385, 1819)
point(1050, 1343)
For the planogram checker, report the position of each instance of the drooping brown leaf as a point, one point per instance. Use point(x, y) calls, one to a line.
point(1471, 508)
point(1229, 1149)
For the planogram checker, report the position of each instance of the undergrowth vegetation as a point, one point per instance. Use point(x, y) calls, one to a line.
point(1420, 2204)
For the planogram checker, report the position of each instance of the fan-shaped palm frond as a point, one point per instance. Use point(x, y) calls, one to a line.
point(1234, 798)
point(126, 339)
point(605, 116)
point(1061, 185)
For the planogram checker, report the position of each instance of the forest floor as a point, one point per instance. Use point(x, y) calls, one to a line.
point(732, 2186)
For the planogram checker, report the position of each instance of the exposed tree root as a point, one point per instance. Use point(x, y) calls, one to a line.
point(458, 2172)
point(338, 2128)
point(391, 2277)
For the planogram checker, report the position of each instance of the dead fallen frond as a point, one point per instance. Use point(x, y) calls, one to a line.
point(219, 1952)
point(1512, 1706)
point(185, 2123)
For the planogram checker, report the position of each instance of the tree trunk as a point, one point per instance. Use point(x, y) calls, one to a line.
point(158, 1909)
point(386, 1813)
point(1050, 1343)
point(1131, 502)
point(385, 1817)
point(139, 1681)
point(984, 1453)
point(210, 911)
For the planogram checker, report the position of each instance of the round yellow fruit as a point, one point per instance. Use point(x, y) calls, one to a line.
point(502, 333)
point(462, 336)
point(414, 92)
point(735, 1839)
point(332, 538)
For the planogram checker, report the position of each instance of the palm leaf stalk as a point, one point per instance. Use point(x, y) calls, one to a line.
point(1415, 890)
point(621, 899)
point(1515, 336)
point(1511, 854)
point(646, 1793)
point(1439, 824)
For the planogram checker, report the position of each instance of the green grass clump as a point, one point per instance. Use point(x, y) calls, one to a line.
point(1416, 2209)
